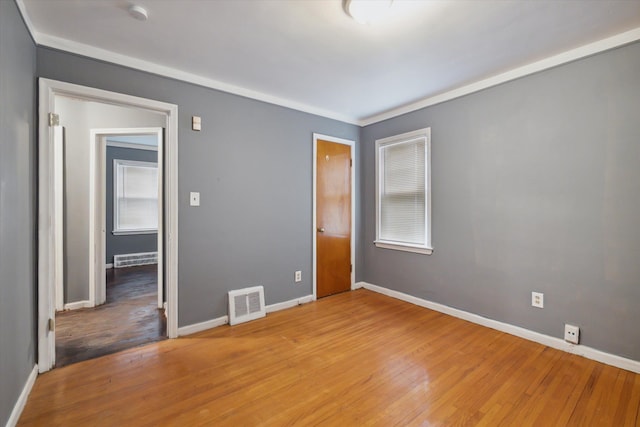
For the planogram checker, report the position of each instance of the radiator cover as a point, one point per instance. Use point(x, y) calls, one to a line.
point(246, 304)
point(130, 260)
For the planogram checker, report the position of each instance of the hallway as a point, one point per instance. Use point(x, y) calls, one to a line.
point(129, 318)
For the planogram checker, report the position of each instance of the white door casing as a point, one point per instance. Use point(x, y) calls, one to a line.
point(58, 215)
point(97, 211)
point(49, 230)
point(351, 144)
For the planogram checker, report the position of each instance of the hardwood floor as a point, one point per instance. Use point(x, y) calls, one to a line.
point(352, 359)
point(129, 318)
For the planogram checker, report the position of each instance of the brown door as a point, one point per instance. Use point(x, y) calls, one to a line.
point(333, 218)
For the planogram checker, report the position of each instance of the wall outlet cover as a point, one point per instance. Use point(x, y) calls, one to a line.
point(572, 334)
point(194, 198)
point(537, 299)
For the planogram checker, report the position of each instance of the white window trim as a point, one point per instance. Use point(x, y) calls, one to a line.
point(123, 231)
point(427, 248)
point(132, 232)
point(131, 145)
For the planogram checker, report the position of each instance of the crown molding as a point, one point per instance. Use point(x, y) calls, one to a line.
point(532, 68)
point(584, 51)
point(26, 19)
point(174, 73)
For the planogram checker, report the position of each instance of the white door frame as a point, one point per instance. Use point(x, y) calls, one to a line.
point(57, 145)
point(49, 235)
point(351, 144)
point(97, 209)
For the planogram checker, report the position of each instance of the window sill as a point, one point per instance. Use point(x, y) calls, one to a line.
point(133, 232)
point(403, 247)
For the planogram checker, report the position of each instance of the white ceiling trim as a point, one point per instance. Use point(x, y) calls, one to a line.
point(26, 19)
point(128, 61)
point(590, 49)
point(535, 67)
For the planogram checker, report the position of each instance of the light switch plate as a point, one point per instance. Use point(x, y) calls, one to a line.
point(196, 123)
point(194, 198)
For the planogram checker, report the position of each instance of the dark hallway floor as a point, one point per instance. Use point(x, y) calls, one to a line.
point(129, 318)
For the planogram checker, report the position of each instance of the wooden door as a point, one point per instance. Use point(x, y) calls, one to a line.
point(333, 218)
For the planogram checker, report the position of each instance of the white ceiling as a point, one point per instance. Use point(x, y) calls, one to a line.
point(309, 55)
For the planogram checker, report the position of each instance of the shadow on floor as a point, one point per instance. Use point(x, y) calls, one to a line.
point(129, 318)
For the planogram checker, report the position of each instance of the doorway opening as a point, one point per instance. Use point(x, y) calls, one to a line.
point(72, 222)
point(126, 303)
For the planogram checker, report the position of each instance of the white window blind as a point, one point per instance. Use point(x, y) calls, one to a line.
point(403, 192)
point(136, 196)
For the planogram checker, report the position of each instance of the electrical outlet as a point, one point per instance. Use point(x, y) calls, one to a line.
point(298, 276)
point(194, 198)
point(537, 299)
point(571, 334)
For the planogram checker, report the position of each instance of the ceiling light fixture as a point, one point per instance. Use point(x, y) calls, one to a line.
point(367, 11)
point(138, 12)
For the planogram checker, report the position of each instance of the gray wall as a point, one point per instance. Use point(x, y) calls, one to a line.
point(251, 163)
point(78, 118)
point(536, 186)
point(17, 206)
point(131, 243)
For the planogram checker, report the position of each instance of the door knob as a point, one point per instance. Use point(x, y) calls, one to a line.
point(321, 230)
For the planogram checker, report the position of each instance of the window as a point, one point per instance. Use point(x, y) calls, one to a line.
point(135, 192)
point(403, 194)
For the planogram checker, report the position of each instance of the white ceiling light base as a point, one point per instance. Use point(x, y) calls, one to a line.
point(138, 12)
point(367, 11)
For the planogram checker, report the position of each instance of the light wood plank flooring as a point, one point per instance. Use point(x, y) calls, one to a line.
point(353, 359)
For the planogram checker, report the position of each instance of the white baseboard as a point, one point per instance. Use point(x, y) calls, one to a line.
point(22, 399)
point(78, 304)
point(108, 266)
point(213, 323)
point(288, 304)
point(557, 343)
point(202, 326)
point(357, 285)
